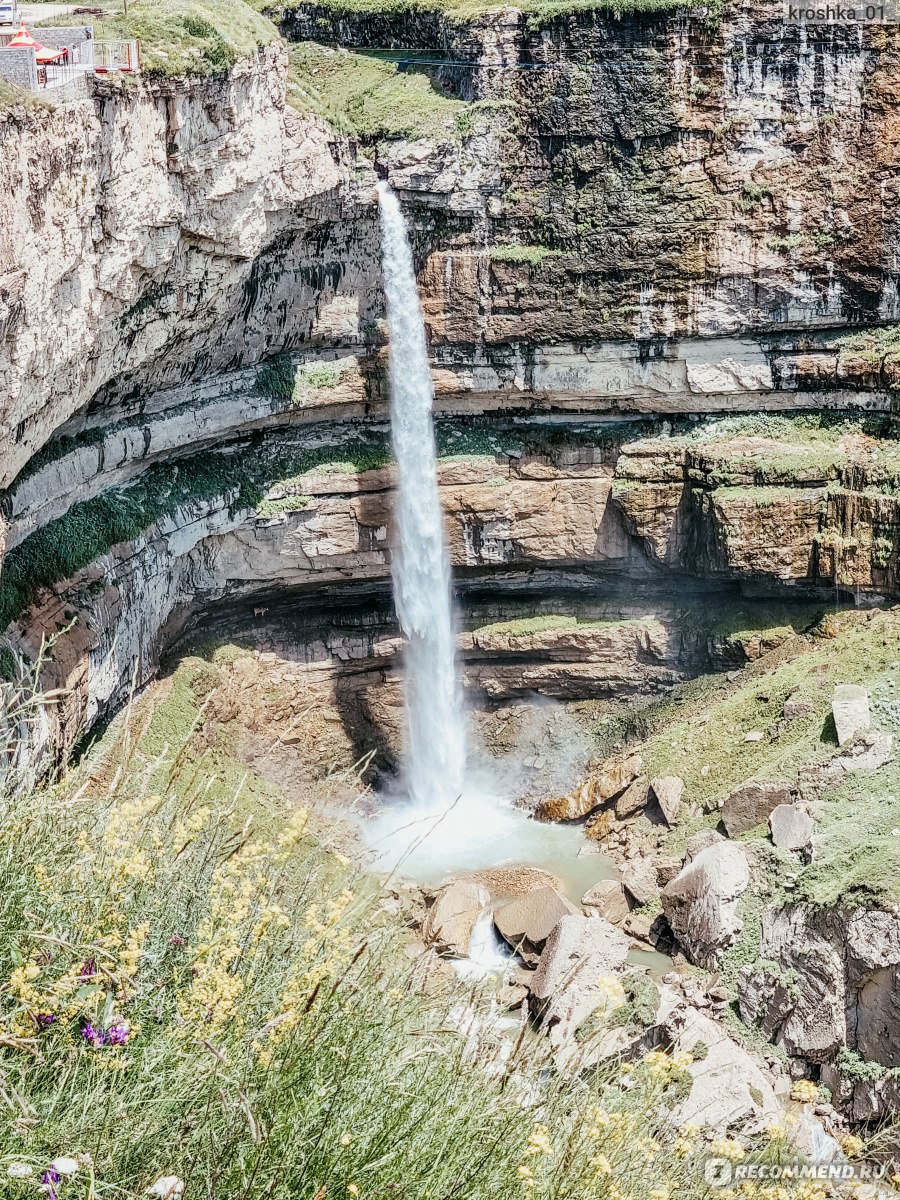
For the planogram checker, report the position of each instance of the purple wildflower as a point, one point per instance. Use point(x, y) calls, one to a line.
point(50, 1179)
point(44, 1020)
point(117, 1035)
point(89, 970)
point(93, 1035)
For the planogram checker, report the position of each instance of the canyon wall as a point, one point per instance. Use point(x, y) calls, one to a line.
point(653, 216)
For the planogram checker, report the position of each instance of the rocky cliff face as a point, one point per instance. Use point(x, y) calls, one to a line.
point(643, 184)
point(635, 216)
point(162, 233)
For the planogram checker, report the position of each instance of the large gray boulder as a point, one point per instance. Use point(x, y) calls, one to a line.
point(450, 920)
point(527, 921)
point(578, 942)
point(850, 708)
point(751, 804)
point(791, 827)
point(579, 952)
point(701, 902)
point(802, 1005)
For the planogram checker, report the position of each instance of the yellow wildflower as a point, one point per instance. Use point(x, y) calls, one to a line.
point(539, 1141)
point(612, 994)
point(346, 1139)
point(729, 1148)
point(852, 1145)
point(805, 1091)
point(601, 1165)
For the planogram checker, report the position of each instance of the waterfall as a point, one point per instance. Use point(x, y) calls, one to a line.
point(456, 813)
point(435, 720)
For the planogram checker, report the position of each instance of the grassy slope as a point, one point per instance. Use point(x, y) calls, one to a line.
point(368, 95)
point(279, 1042)
point(699, 733)
point(186, 37)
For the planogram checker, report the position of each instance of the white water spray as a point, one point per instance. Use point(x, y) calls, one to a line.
point(436, 727)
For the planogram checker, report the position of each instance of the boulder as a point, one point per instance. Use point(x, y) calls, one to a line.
point(804, 1006)
point(597, 789)
point(668, 790)
point(450, 920)
point(873, 751)
point(727, 1089)
point(579, 952)
point(527, 921)
point(634, 799)
point(606, 899)
point(577, 941)
point(699, 841)
point(791, 827)
point(750, 805)
point(639, 878)
point(667, 868)
point(701, 902)
point(850, 707)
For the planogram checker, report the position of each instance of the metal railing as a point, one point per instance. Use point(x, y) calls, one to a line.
point(115, 56)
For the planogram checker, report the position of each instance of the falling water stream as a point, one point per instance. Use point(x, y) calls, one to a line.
point(436, 726)
point(452, 814)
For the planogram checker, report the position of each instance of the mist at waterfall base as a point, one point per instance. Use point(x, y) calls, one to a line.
point(451, 812)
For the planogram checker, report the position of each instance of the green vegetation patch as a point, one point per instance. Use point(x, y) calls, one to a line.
point(368, 95)
point(197, 38)
point(91, 527)
point(531, 256)
point(857, 848)
point(282, 379)
point(874, 346)
point(539, 11)
point(526, 626)
point(13, 97)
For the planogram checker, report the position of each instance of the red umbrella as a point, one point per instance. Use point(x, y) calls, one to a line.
point(43, 54)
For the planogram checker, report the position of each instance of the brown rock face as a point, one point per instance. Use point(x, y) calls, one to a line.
point(633, 800)
point(606, 899)
point(597, 789)
point(528, 921)
point(751, 804)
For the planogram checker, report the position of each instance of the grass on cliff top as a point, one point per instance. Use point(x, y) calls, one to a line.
point(789, 451)
point(872, 345)
point(14, 97)
point(196, 38)
point(538, 11)
point(368, 95)
point(197, 986)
